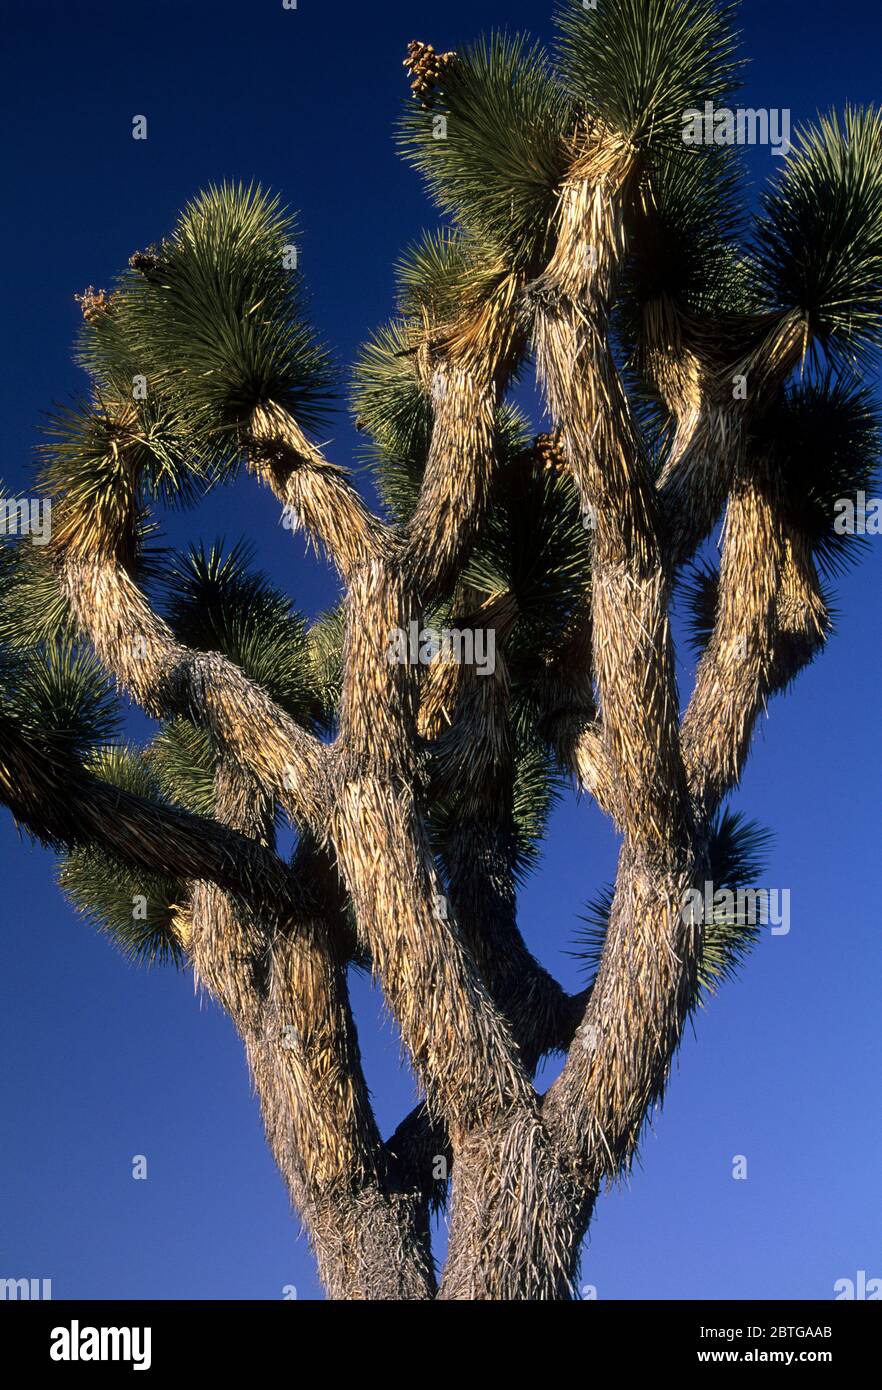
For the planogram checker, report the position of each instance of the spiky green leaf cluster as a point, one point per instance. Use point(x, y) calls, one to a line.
point(698, 594)
point(538, 786)
point(737, 850)
point(826, 436)
point(217, 324)
point(535, 546)
point(534, 549)
point(522, 822)
point(819, 240)
point(737, 853)
point(136, 910)
point(442, 278)
point(183, 764)
point(495, 165)
point(33, 610)
point(445, 275)
point(684, 238)
point(59, 695)
point(392, 407)
point(217, 603)
point(640, 64)
point(101, 464)
point(86, 467)
point(325, 644)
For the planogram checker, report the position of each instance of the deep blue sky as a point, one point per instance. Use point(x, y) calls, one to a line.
point(102, 1061)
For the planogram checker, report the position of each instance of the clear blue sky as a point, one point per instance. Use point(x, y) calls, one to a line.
point(102, 1061)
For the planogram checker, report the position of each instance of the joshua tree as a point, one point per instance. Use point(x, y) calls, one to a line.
point(692, 369)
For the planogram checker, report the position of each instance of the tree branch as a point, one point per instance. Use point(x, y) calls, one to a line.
point(59, 802)
point(167, 678)
point(315, 494)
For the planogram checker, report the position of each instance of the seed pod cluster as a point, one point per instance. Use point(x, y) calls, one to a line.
point(426, 69)
point(144, 261)
point(150, 260)
point(549, 453)
point(93, 303)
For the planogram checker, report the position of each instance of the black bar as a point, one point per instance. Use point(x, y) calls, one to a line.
point(226, 1337)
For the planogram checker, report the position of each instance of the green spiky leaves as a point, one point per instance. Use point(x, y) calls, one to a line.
point(102, 461)
point(493, 146)
point(216, 603)
point(136, 910)
point(699, 594)
point(535, 547)
point(737, 851)
point(824, 436)
point(33, 610)
point(394, 409)
point(819, 245)
point(445, 279)
point(538, 786)
point(184, 764)
point(326, 643)
point(194, 337)
point(684, 250)
point(443, 276)
point(639, 64)
point(59, 696)
point(827, 438)
point(214, 323)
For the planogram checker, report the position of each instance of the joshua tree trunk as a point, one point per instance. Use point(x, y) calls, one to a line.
point(285, 993)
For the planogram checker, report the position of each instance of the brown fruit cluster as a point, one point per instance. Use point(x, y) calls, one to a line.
point(549, 453)
point(143, 261)
point(93, 303)
point(426, 69)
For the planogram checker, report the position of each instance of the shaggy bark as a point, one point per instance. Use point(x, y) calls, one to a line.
point(285, 992)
